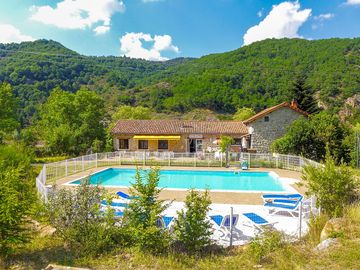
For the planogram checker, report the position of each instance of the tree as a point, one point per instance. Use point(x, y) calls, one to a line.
point(334, 187)
point(79, 222)
point(243, 114)
point(16, 196)
point(144, 211)
point(225, 143)
point(71, 123)
point(128, 112)
point(8, 107)
point(310, 137)
point(192, 228)
point(302, 93)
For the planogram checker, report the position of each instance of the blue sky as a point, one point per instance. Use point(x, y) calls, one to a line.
point(164, 29)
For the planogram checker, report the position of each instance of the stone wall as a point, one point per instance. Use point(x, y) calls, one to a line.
point(265, 133)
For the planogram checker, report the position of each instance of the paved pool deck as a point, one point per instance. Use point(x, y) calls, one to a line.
point(229, 198)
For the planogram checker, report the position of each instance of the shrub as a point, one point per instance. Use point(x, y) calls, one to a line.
point(334, 187)
point(79, 222)
point(192, 229)
point(316, 225)
point(16, 197)
point(266, 243)
point(144, 211)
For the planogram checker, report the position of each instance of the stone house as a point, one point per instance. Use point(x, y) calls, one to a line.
point(255, 134)
point(270, 124)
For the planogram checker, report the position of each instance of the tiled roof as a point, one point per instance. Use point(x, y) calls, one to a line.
point(158, 127)
point(265, 112)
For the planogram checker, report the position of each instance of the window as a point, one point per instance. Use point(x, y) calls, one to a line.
point(123, 144)
point(143, 144)
point(266, 118)
point(198, 145)
point(237, 141)
point(163, 144)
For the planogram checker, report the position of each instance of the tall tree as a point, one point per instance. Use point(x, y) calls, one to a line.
point(303, 94)
point(8, 106)
point(72, 123)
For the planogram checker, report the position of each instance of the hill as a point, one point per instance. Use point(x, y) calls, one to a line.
point(258, 75)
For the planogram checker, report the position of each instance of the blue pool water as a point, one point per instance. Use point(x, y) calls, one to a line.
point(185, 179)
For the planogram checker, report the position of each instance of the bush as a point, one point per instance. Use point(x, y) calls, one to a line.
point(79, 222)
point(334, 187)
point(192, 229)
point(316, 225)
point(144, 211)
point(266, 243)
point(17, 197)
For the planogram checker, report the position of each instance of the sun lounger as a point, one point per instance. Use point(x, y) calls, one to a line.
point(257, 221)
point(164, 222)
point(222, 223)
point(282, 196)
point(125, 196)
point(277, 207)
point(114, 204)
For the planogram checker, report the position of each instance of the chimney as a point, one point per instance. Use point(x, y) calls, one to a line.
point(294, 104)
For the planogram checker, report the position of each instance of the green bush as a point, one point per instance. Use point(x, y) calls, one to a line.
point(334, 187)
point(144, 211)
point(79, 222)
point(17, 197)
point(265, 243)
point(316, 225)
point(192, 228)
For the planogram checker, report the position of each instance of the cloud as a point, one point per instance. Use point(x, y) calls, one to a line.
point(132, 45)
point(102, 29)
point(323, 17)
point(352, 2)
point(284, 20)
point(79, 14)
point(10, 34)
point(319, 20)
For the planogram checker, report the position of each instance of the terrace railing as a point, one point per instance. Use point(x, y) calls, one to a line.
point(57, 170)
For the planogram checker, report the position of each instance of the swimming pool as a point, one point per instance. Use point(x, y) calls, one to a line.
point(199, 179)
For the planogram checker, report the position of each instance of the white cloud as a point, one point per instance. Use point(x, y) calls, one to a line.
point(132, 45)
point(323, 17)
point(79, 14)
point(260, 13)
point(284, 20)
point(352, 2)
point(10, 34)
point(102, 29)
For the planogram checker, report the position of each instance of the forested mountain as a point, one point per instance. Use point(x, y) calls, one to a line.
point(256, 76)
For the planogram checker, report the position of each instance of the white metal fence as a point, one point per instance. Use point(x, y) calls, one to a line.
point(57, 170)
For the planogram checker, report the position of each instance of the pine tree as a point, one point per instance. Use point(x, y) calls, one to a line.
point(303, 95)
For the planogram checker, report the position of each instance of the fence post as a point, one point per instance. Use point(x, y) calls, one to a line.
point(221, 159)
point(44, 174)
point(300, 219)
point(231, 225)
point(66, 167)
point(96, 160)
point(144, 159)
point(169, 157)
point(82, 163)
point(249, 155)
point(195, 159)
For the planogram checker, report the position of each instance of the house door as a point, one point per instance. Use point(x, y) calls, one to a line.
point(195, 145)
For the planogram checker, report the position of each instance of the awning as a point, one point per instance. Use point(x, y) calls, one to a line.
point(156, 138)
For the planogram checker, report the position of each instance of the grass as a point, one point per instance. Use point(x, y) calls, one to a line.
point(301, 255)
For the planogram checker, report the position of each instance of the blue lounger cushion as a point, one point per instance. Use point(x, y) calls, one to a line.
point(118, 214)
point(256, 218)
point(115, 204)
point(281, 196)
point(285, 201)
point(217, 219)
point(284, 206)
point(125, 196)
point(167, 220)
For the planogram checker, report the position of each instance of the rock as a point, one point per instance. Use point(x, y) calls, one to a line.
point(326, 244)
point(46, 230)
point(332, 226)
